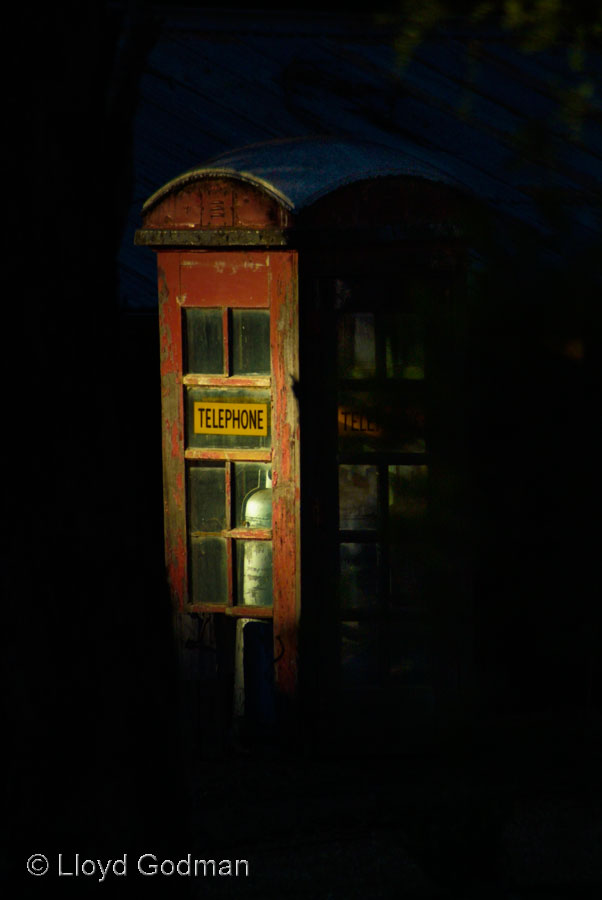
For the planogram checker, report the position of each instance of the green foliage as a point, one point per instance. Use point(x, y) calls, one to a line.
point(418, 21)
point(533, 25)
point(536, 24)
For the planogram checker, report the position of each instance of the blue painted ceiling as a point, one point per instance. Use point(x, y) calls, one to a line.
point(469, 107)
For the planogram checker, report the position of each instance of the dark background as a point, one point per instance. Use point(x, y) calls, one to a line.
point(90, 726)
point(96, 758)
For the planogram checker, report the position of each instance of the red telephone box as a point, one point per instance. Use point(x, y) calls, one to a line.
point(309, 292)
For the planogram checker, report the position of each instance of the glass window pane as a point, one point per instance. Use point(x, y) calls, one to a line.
point(228, 418)
point(204, 336)
point(254, 572)
point(258, 676)
point(209, 570)
point(250, 342)
point(356, 345)
point(206, 497)
point(253, 495)
point(344, 292)
point(358, 498)
point(404, 346)
point(408, 652)
point(357, 294)
point(359, 654)
point(408, 495)
point(408, 570)
point(358, 580)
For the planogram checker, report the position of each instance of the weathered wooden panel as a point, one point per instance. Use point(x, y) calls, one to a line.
point(217, 204)
point(212, 202)
point(235, 279)
point(208, 238)
point(240, 455)
point(234, 381)
point(172, 410)
point(181, 210)
point(285, 470)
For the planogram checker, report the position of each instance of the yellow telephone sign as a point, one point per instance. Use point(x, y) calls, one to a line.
point(231, 418)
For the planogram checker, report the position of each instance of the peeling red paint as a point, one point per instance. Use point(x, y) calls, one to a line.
point(215, 203)
point(175, 438)
point(234, 279)
point(173, 427)
point(285, 482)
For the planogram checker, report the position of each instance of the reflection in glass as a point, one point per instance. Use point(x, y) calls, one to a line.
point(250, 342)
point(359, 417)
point(209, 570)
point(358, 584)
point(408, 493)
point(358, 507)
point(404, 346)
point(254, 572)
point(380, 420)
point(359, 654)
point(252, 495)
point(356, 345)
point(206, 497)
point(204, 341)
